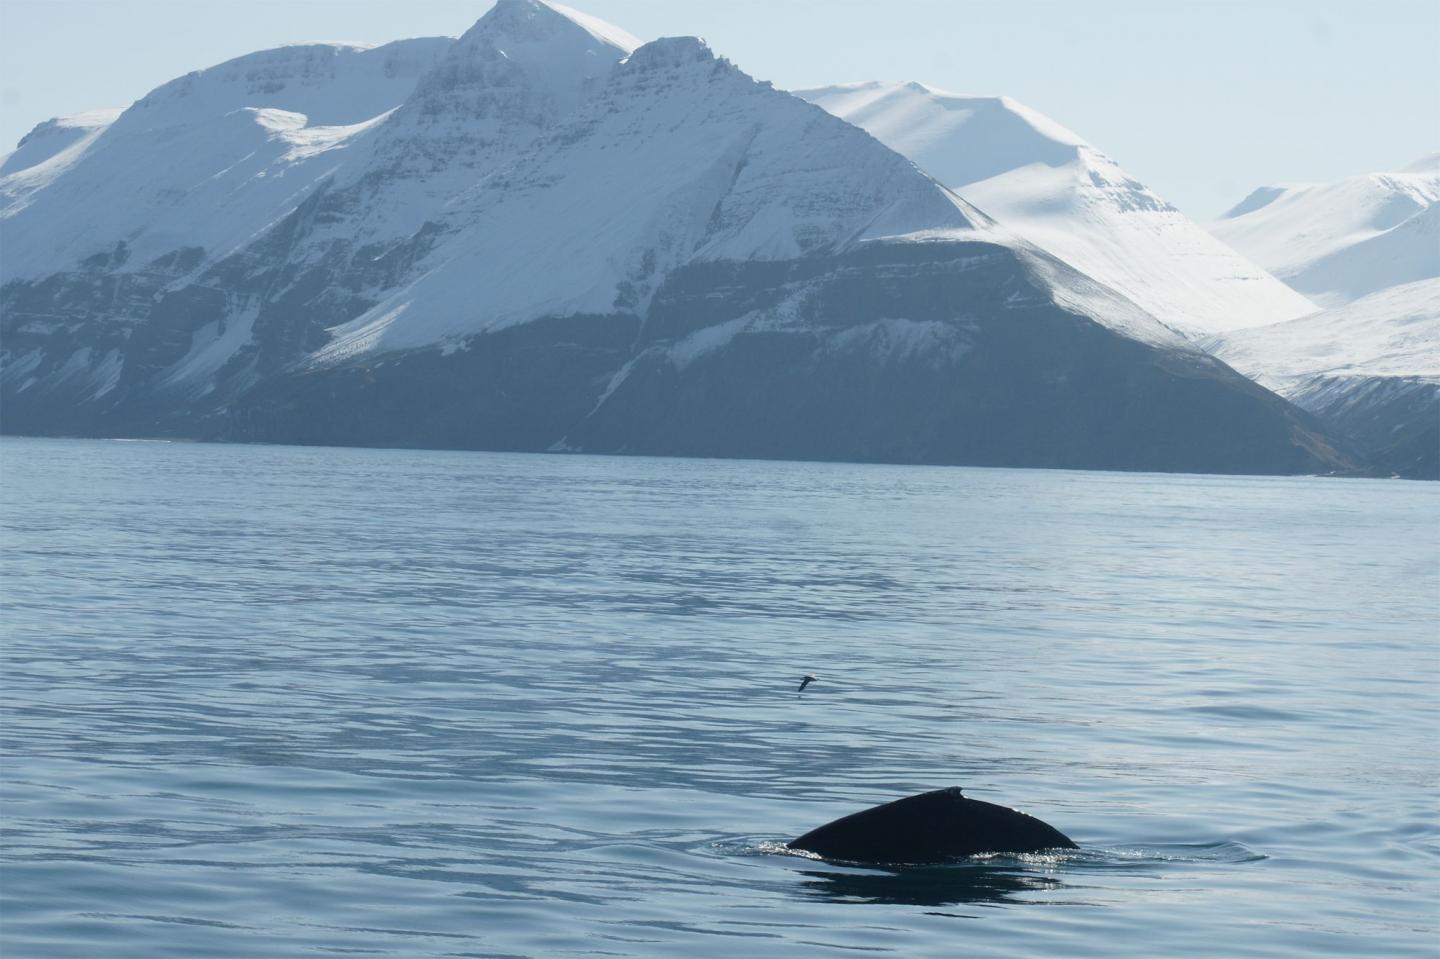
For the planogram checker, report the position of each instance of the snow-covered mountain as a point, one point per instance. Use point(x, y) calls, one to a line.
point(1369, 365)
point(1065, 196)
point(206, 161)
point(543, 235)
point(1338, 242)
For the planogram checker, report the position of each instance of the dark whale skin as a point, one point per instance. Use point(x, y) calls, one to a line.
point(930, 828)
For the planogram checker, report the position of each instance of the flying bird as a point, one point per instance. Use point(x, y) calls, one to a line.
point(805, 680)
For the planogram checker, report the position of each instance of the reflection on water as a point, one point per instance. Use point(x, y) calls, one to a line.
point(927, 885)
point(277, 702)
point(998, 878)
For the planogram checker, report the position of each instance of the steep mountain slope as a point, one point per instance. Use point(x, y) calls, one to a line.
point(1337, 242)
point(1063, 195)
point(1372, 368)
point(557, 239)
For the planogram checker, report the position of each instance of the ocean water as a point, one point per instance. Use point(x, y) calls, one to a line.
point(274, 702)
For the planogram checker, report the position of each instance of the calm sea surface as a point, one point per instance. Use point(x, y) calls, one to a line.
point(273, 702)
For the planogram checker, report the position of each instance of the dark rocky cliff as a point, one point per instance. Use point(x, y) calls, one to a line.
point(909, 353)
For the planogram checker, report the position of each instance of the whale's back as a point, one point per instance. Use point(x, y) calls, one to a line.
point(929, 828)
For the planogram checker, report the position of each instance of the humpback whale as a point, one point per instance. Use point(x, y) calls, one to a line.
point(932, 827)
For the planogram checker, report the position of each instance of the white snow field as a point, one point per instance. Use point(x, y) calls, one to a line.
point(1392, 333)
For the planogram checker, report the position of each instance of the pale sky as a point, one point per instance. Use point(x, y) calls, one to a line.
point(1202, 100)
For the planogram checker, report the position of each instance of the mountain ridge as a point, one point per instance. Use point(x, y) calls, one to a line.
point(1050, 186)
point(1322, 238)
point(545, 240)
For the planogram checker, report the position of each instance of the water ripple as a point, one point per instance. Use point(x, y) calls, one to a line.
point(278, 702)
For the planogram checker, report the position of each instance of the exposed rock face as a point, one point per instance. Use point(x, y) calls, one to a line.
point(1394, 421)
point(544, 237)
point(910, 353)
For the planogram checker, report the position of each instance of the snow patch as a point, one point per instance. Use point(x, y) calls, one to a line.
point(697, 344)
point(894, 340)
point(19, 368)
point(211, 347)
point(106, 374)
point(309, 142)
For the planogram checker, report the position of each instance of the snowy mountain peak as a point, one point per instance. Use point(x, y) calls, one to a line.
point(66, 129)
point(524, 60)
point(540, 22)
point(676, 158)
point(1054, 189)
point(1368, 248)
point(959, 139)
point(332, 84)
point(670, 52)
point(208, 159)
point(1337, 242)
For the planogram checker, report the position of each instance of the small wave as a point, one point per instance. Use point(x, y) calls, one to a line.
point(753, 846)
point(1149, 853)
point(1224, 851)
point(995, 878)
point(1248, 712)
